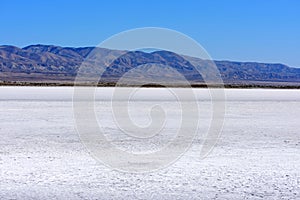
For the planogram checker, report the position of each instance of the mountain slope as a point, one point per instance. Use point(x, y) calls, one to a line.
point(48, 63)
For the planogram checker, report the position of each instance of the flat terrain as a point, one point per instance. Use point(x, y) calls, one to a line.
point(256, 157)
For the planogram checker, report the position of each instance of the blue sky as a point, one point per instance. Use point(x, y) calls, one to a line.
point(242, 30)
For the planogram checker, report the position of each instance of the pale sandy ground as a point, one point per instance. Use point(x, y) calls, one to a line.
point(257, 156)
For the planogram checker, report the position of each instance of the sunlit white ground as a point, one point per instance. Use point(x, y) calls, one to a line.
point(256, 157)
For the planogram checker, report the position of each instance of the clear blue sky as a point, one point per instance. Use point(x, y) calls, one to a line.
point(242, 30)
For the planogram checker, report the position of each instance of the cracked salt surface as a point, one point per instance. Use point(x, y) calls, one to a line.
point(257, 156)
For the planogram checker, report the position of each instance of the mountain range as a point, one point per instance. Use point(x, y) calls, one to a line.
point(60, 65)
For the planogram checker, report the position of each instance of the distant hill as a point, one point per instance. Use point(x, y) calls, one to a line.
point(54, 64)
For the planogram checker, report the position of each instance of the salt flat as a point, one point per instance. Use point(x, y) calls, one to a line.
point(256, 157)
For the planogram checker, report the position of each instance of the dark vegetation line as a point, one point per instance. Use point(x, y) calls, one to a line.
point(198, 85)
